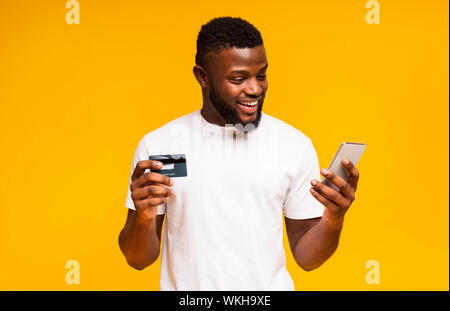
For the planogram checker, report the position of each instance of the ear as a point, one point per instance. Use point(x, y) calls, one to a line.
point(201, 75)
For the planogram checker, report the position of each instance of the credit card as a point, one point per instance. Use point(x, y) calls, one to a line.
point(174, 165)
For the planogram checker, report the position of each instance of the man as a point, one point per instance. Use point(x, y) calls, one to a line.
point(224, 227)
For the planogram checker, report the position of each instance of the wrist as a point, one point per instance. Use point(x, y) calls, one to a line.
point(140, 220)
point(333, 222)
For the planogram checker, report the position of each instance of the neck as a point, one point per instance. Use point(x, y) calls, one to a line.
point(210, 114)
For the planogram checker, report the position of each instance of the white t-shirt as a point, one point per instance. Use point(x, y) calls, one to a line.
point(224, 228)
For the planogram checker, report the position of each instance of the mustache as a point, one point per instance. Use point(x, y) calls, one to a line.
point(259, 97)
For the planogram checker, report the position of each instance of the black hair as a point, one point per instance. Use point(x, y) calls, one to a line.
point(225, 32)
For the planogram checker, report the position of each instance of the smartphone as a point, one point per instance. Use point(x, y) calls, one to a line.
point(351, 151)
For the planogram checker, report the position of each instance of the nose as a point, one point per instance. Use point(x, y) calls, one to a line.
point(253, 88)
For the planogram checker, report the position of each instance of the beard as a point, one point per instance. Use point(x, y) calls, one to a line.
point(230, 114)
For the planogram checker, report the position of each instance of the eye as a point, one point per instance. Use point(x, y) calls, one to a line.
point(237, 81)
point(262, 77)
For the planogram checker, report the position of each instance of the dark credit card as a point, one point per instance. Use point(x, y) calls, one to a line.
point(174, 165)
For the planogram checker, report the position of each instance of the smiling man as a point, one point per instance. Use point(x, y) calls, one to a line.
point(245, 171)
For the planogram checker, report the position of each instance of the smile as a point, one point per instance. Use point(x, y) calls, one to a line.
point(249, 104)
point(248, 107)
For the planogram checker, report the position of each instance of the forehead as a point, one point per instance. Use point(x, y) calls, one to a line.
point(229, 59)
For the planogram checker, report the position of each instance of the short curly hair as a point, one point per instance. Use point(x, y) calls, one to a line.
point(225, 32)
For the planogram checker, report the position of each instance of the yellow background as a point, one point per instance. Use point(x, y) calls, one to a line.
point(76, 99)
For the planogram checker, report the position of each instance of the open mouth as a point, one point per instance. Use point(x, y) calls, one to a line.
point(248, 107)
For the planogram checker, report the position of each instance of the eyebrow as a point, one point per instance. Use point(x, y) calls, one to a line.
point(244, 71)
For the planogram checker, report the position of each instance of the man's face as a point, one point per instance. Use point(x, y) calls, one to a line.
point(238, 84)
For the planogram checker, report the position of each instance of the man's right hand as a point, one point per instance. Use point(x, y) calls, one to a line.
point(148, 190)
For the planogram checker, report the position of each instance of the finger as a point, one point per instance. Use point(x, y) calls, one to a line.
point(150, 202)
point(140, 168)
point(331, 194)
point(340, 182)
point(324, 200)
point(152, 177)
point(354, 173)
point(155, 190)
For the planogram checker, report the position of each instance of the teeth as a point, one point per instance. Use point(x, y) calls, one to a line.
point(249, 104)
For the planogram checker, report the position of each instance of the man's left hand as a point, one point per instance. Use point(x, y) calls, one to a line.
point(336, 203)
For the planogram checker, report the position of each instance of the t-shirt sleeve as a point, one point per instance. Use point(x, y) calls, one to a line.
point(140, 154)
point(299, 202)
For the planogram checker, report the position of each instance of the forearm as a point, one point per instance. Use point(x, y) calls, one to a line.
point(317, 244)
point(139, 242)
